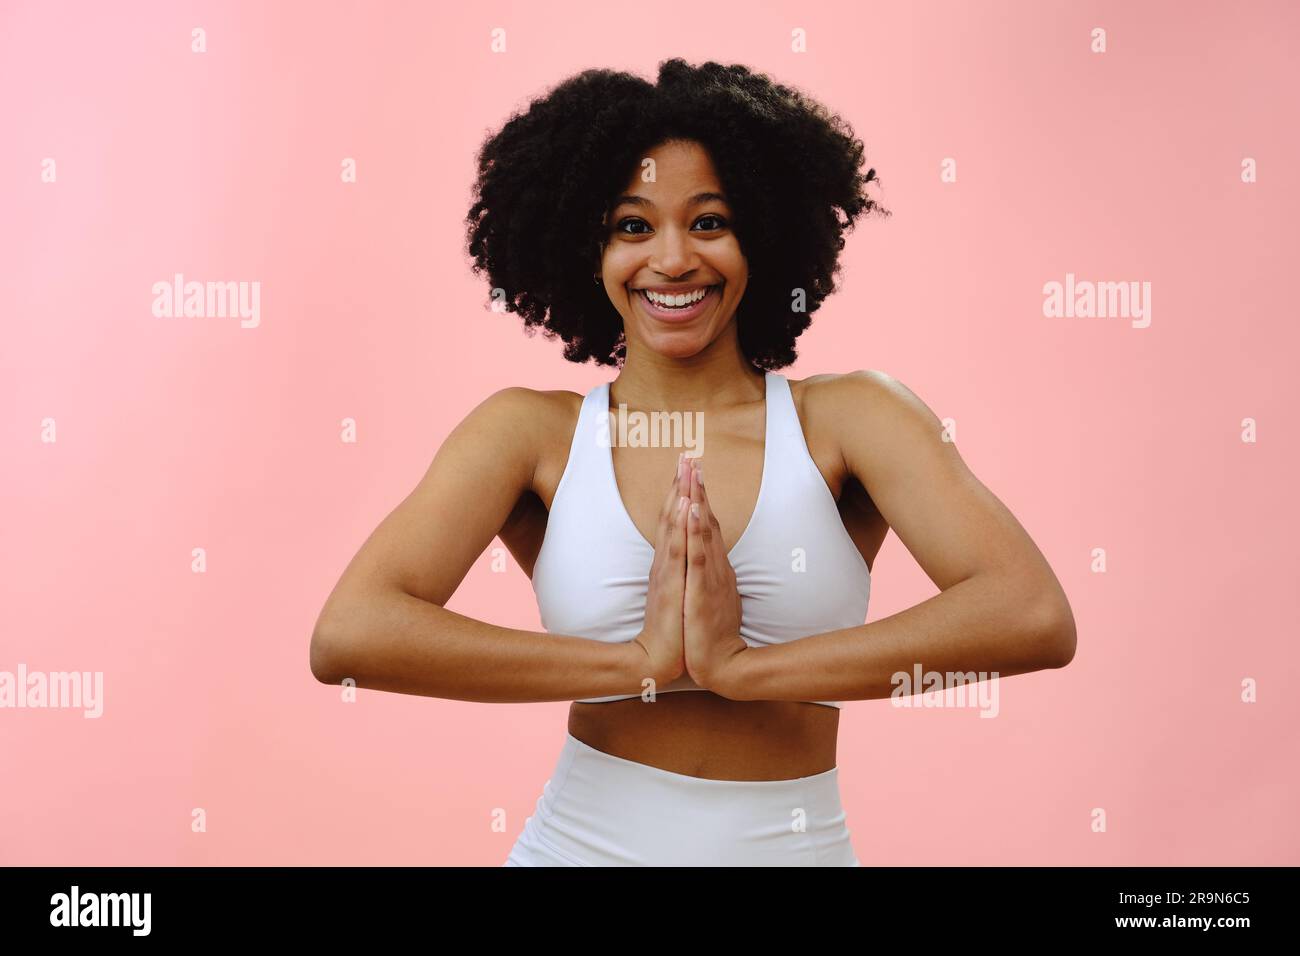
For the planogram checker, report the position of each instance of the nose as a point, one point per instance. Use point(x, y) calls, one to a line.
point(673, 254)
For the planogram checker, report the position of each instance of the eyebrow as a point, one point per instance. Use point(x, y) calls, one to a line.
point(696, 200)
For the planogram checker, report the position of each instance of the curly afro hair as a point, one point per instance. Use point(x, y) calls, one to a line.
point(790, 170)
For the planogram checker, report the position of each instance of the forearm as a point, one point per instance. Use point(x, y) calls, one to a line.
point(974, 626)
point(410, 646)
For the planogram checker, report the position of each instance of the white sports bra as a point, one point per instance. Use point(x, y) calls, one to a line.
point(797, 570)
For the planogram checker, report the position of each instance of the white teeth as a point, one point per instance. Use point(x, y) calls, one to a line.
point(676, 301)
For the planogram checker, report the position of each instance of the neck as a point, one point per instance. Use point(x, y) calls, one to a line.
point(711, 379)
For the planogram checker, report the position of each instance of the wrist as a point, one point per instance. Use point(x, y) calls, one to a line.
point(638, 666)
point(726, 675)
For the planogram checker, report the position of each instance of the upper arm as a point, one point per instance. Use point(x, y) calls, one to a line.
point(949, 521)
point(428, 543)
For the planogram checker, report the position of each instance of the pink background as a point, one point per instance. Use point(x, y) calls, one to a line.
point(183, 433)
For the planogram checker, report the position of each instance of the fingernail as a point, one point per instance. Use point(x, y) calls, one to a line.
point(695, 509)
point(681, 503)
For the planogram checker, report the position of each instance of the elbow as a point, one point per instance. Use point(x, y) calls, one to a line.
point(1056, 633)
point(327, 654)
point(321, 658)
point(336, 636)
point(343, 643)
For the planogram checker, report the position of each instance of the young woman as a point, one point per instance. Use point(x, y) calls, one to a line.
point(683, 232)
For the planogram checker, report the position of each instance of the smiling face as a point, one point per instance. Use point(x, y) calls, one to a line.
point(671, 264)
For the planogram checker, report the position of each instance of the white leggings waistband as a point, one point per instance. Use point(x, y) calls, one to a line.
point(601, 810)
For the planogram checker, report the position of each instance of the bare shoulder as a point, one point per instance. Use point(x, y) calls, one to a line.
point(555, 412)
point(542, 421)
point(508, 414)
point(830, 387)
point(868, 394)
point(518, 425)
point(866, 415)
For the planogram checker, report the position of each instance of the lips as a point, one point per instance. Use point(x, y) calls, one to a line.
point(684, 314)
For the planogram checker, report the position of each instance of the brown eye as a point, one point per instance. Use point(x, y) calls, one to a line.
point(630, 221)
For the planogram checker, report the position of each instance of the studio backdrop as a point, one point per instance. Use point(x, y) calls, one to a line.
point(240, 320)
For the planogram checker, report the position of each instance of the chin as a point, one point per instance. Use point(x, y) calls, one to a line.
point(679, 348)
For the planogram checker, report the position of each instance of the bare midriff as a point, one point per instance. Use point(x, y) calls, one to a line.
point(700, 734)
